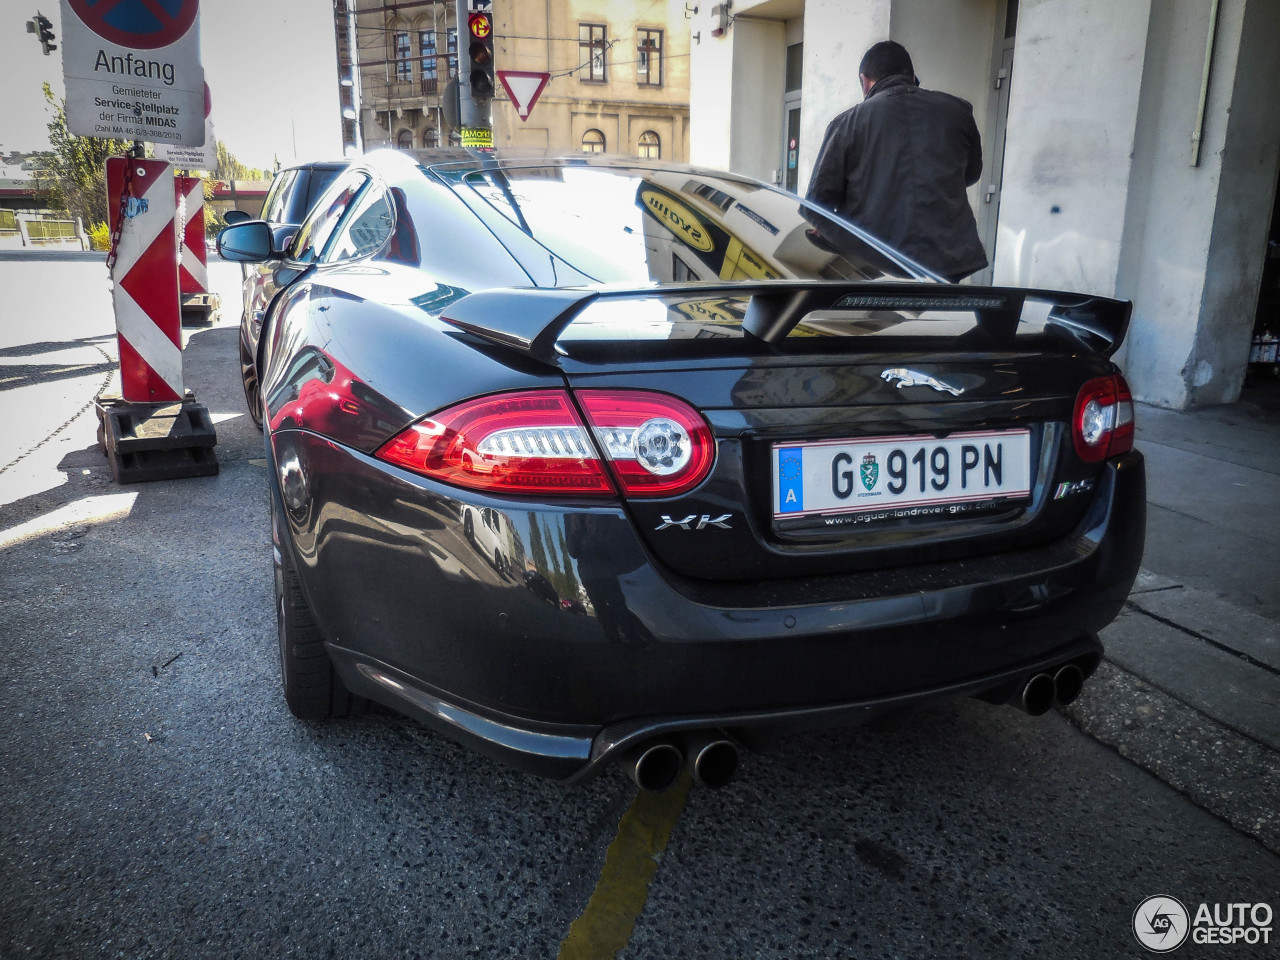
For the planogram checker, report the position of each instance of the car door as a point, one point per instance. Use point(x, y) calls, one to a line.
point(304, 249)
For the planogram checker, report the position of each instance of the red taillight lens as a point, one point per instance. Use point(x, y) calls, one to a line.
point(1102, 426)
point(531, 443)
point(535, 443)
point(656, 445)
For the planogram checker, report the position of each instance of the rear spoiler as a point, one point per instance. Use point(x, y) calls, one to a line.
point(529, 320)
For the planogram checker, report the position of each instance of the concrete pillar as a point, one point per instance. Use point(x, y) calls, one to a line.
point(1073, 112)
point(1193, 259)
point(735, 108)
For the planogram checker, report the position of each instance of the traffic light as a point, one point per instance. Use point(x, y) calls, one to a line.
point(480, 52)
point(43, 30)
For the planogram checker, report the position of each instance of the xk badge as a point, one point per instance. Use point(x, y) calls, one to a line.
point(695, 522)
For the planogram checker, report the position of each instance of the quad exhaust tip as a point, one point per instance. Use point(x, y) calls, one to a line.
point(1038, 694)
point(1067, 683)
point(712, 758)
point(654, 767)
point(1044, 690)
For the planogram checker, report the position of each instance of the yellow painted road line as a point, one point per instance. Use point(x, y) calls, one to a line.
point(605, 925)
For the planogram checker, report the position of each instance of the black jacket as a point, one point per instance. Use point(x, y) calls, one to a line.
point(897, 165)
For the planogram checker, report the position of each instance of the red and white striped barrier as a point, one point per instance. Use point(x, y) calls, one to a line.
point(144, 278)
point(193, 268)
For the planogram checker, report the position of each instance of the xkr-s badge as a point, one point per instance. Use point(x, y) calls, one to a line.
point(695, 522)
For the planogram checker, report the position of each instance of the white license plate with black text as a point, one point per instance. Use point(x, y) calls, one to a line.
point(906, 476)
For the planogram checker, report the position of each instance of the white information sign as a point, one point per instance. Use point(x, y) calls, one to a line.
point(132, 70)
point(193, 158)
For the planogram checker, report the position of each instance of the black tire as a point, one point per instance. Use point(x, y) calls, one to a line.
point(469, 527)
point(312, 688)
point(252, 390)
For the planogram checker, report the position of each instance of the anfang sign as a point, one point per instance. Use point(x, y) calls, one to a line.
point(132, 70)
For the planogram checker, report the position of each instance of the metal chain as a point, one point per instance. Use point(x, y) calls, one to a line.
point(113, 251)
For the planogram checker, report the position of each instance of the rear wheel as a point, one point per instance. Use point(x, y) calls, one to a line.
point(312, 688)
point(252, 391)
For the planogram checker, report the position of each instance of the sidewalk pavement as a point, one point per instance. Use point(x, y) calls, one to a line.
point(1190, 685)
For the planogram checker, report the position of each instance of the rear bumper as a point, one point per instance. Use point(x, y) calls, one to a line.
point(561, 653)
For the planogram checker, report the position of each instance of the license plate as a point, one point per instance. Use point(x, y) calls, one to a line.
point(903, 476)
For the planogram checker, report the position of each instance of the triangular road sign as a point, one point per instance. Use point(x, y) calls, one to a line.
point(524, 88)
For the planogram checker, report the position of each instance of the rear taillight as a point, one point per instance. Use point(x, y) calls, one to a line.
point(657, 446)
point(531, 443)
point(535, 443)
point(1102, 426)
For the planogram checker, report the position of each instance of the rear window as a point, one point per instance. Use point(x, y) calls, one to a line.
point(640, 225)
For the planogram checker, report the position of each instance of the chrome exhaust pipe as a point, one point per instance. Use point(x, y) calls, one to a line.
point(712, 758)
point(654, 766)
point(1037, 695)
point(1067, 683)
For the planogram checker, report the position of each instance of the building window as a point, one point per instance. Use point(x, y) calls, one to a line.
point(593, 142)
point(451, 48)
point(404, 66)
point(650, 146)
point(592, 45)
point(431, 137)
point(711, 195)
point(795, 66)
point(649, 59)
point(404, 139)
point(427, 44)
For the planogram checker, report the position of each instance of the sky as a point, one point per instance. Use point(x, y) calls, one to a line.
point(270, 65)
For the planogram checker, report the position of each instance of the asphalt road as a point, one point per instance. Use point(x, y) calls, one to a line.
point(159, 801)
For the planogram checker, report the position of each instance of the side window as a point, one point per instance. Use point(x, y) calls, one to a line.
point(366, 227)
point(273, 206)
point(317, 229)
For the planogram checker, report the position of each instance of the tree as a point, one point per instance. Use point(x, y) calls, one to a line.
point(229, 168)
point(73, 174)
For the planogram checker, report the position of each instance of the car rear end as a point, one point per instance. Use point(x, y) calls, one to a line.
point(900, 492)
point(762, 473)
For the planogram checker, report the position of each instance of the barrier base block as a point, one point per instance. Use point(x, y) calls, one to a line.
point(199, 309)
point(156, 441)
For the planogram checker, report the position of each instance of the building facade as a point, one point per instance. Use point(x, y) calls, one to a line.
point(1131, 149)
point(619, 74)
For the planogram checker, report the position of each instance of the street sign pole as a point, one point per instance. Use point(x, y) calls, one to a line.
point(132, 72)
point(475, 74)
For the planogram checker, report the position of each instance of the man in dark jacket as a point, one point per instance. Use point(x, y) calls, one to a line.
point(897, 165)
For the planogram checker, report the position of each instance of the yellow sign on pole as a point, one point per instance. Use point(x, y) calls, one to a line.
point(480, 138)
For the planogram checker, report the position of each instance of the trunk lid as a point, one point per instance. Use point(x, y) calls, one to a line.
point(857, 427)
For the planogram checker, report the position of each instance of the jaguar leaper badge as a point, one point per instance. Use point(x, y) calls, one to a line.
point(870, 471)
point(914, 378)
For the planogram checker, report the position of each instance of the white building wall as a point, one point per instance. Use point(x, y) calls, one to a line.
point(735, 102)
point(1073, 112)
point(759, 74)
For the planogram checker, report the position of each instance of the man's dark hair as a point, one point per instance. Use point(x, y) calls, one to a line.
point(886, 59)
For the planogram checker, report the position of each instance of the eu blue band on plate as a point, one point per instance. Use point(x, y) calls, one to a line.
point(790, 479)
